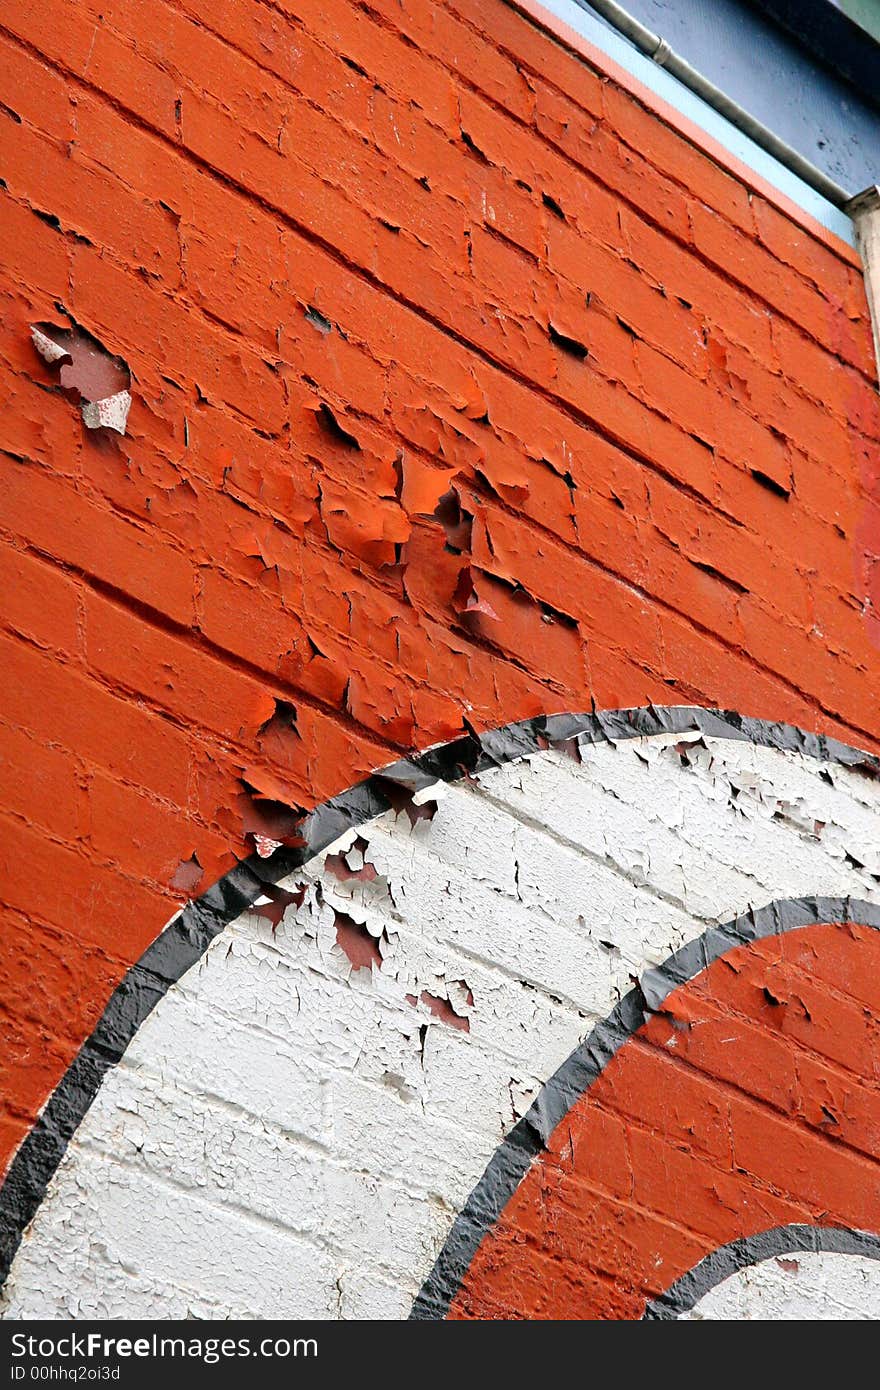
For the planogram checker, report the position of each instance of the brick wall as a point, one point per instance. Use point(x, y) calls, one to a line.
point(295, 1126)
point(466, 388)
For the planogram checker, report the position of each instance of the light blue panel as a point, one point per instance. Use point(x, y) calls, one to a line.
point(695, 109)
point(778, 79)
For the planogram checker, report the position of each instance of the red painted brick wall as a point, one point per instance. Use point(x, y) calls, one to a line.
point(357, 256)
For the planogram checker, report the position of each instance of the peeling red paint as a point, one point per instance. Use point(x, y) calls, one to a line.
point(269, 820)
point(401, 798)
point(359, 945)
point(351, 864)
point(466, 599)
point(442, 1009)
point(87, 372)
point(188, 875)
point(367, 498)
point(278, 900)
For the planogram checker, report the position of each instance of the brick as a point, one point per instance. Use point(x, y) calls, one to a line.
point(169, 670)
point(786, 292)
point(677, 157)
point(44, 255)
point(845, 952)
point(66, 32)
point(105, 728)
point(762, 1064)
point(397, 66)
point(243, 619)
point(172, 338)
point(40, 605)
point(32, 1062)
point(661, 261)
point(49, 514)
point(265, 208)
point(611, 1239)
point(718, 1201)
point(548, 1291)
point(517, 36)
point(59, 182)
point(461, 47)
point(835, 1104)
point(56, 884)
point(688, 1107)
point(51, 974)
point(157, 837)
point(41, 95)
point(44, 785)
point(798, 248)
point(821, 1175)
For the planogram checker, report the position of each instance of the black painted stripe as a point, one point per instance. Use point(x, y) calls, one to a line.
point(687, 1291)
point(190, 933)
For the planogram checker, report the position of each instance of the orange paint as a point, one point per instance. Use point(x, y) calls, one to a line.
point(205, 191)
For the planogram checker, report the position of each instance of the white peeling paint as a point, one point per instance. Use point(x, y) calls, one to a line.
point(111, 413)
point(289, 1136)
point(806, 1286)
point(48, 350)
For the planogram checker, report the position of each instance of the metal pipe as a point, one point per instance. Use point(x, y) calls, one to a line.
point(864, 210)
point(659, 51)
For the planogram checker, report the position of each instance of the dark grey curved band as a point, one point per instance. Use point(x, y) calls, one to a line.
point(512, 1159)
point(687, 1291)
point(189, 935)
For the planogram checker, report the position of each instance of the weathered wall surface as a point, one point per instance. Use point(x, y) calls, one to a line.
point(296, 1125)
point(464, 388)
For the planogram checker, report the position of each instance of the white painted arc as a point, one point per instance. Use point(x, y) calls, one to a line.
point(807, 1286)
point(289, 1138)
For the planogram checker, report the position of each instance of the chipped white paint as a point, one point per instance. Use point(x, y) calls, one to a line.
point(48, 350)
point(807, 1286)
point(111, 413)
point(287, 1136)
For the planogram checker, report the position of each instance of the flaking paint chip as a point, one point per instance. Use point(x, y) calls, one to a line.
point(188, 874)
point(110, 413)
point(98, 377)
point(48, 350)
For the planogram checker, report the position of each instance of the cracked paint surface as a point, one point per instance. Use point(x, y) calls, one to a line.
point(469, 387)
point(312, 1124)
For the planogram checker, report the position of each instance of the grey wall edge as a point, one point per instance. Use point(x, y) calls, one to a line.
point(190, 933)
